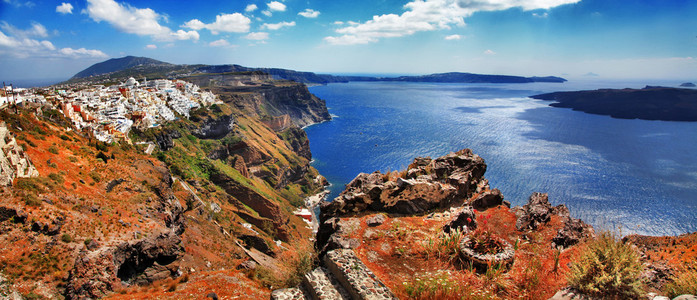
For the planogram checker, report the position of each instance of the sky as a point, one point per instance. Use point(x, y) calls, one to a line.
point(654, 39)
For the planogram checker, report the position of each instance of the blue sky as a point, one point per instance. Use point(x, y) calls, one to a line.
point(570, 38)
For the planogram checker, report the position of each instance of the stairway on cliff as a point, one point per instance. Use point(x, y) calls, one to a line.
point(342, 276)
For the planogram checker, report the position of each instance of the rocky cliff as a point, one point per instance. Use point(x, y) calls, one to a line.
point(218, 193)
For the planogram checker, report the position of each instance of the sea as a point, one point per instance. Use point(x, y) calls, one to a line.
point(625, 176)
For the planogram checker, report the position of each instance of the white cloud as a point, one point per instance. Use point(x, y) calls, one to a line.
point(235, 22)
point(542, 15)
point(349, 40)
point(453, 37)
point(151, 46)
point(338, 23)
point(65, 8)
point(266, 13)
point(129, 19)
point(489, 52)
point(18, 3)
point(82, 52)
point(277, 26)
point(219, 43)
point(250, 8)
point(185, 35)
point(36, 30)
point(257, 36)
point(309, 13)
point(194, 24)
point(276, 6)
point(429, 15)
point(23, 47)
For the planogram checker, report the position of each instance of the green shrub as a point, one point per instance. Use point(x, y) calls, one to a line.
point(53, 149)
point(64, 137)
point(66, 238)
point(607, 269)
point(56, 177)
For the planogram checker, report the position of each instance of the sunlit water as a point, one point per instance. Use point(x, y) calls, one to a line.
point(634, 174)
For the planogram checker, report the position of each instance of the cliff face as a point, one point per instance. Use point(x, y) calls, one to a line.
point(286, 98)
point(218, 194)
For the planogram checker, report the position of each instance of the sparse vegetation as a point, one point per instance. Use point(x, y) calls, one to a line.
point(684, 282)
point(608, 268)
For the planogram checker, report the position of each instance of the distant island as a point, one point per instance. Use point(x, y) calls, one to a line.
point(142, 66)
point(688, 84)
point(649, 103)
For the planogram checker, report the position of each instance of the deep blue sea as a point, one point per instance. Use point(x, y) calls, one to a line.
point(629, 176)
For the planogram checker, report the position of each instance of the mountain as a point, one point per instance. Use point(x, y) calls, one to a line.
point(457, 77)
point(649, 103)
point(118, 64)
point(106, 72)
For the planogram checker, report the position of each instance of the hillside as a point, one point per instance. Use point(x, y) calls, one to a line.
point(212, 205)
point(119, 64)
point(649, 103)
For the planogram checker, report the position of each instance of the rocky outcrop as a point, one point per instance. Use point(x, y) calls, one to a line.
point(299, 143)
point(212, 128)
point(14, 163)
point(96, 273)
point(538, 211)
point(165, 139)
point(99, 270)
point(428, 184)
point(263, 206)
point(464, 219)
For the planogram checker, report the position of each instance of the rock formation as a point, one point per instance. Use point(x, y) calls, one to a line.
point(14, 163)
point(538, 211)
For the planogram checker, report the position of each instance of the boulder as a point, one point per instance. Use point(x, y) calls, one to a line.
point(375, 220)
point(464, 219)
point(487, 199)
point(538, 211)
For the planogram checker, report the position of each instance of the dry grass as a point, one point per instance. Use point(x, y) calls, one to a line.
point(607, 268)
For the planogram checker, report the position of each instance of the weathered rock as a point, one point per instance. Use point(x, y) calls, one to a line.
point(574, 231)
point(538, 211)
point(464, 219)
point(142, 262)
point(429, 184)
point(487, 199)
point(569, 294)
point(332, 234)
point(247, 265)
point(375, 220)
point(17, 215)
point(96, 273)
point(165, 139)
point(256, 242)
point(656, 274)
point(212, 128)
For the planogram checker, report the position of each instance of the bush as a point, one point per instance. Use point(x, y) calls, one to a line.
point(607, 269)
point(53, 149)
point(685, 282)
point(66, 238)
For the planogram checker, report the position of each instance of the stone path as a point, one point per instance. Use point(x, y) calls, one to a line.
point(322, 285)
point(344, 276)
point(355, 275)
